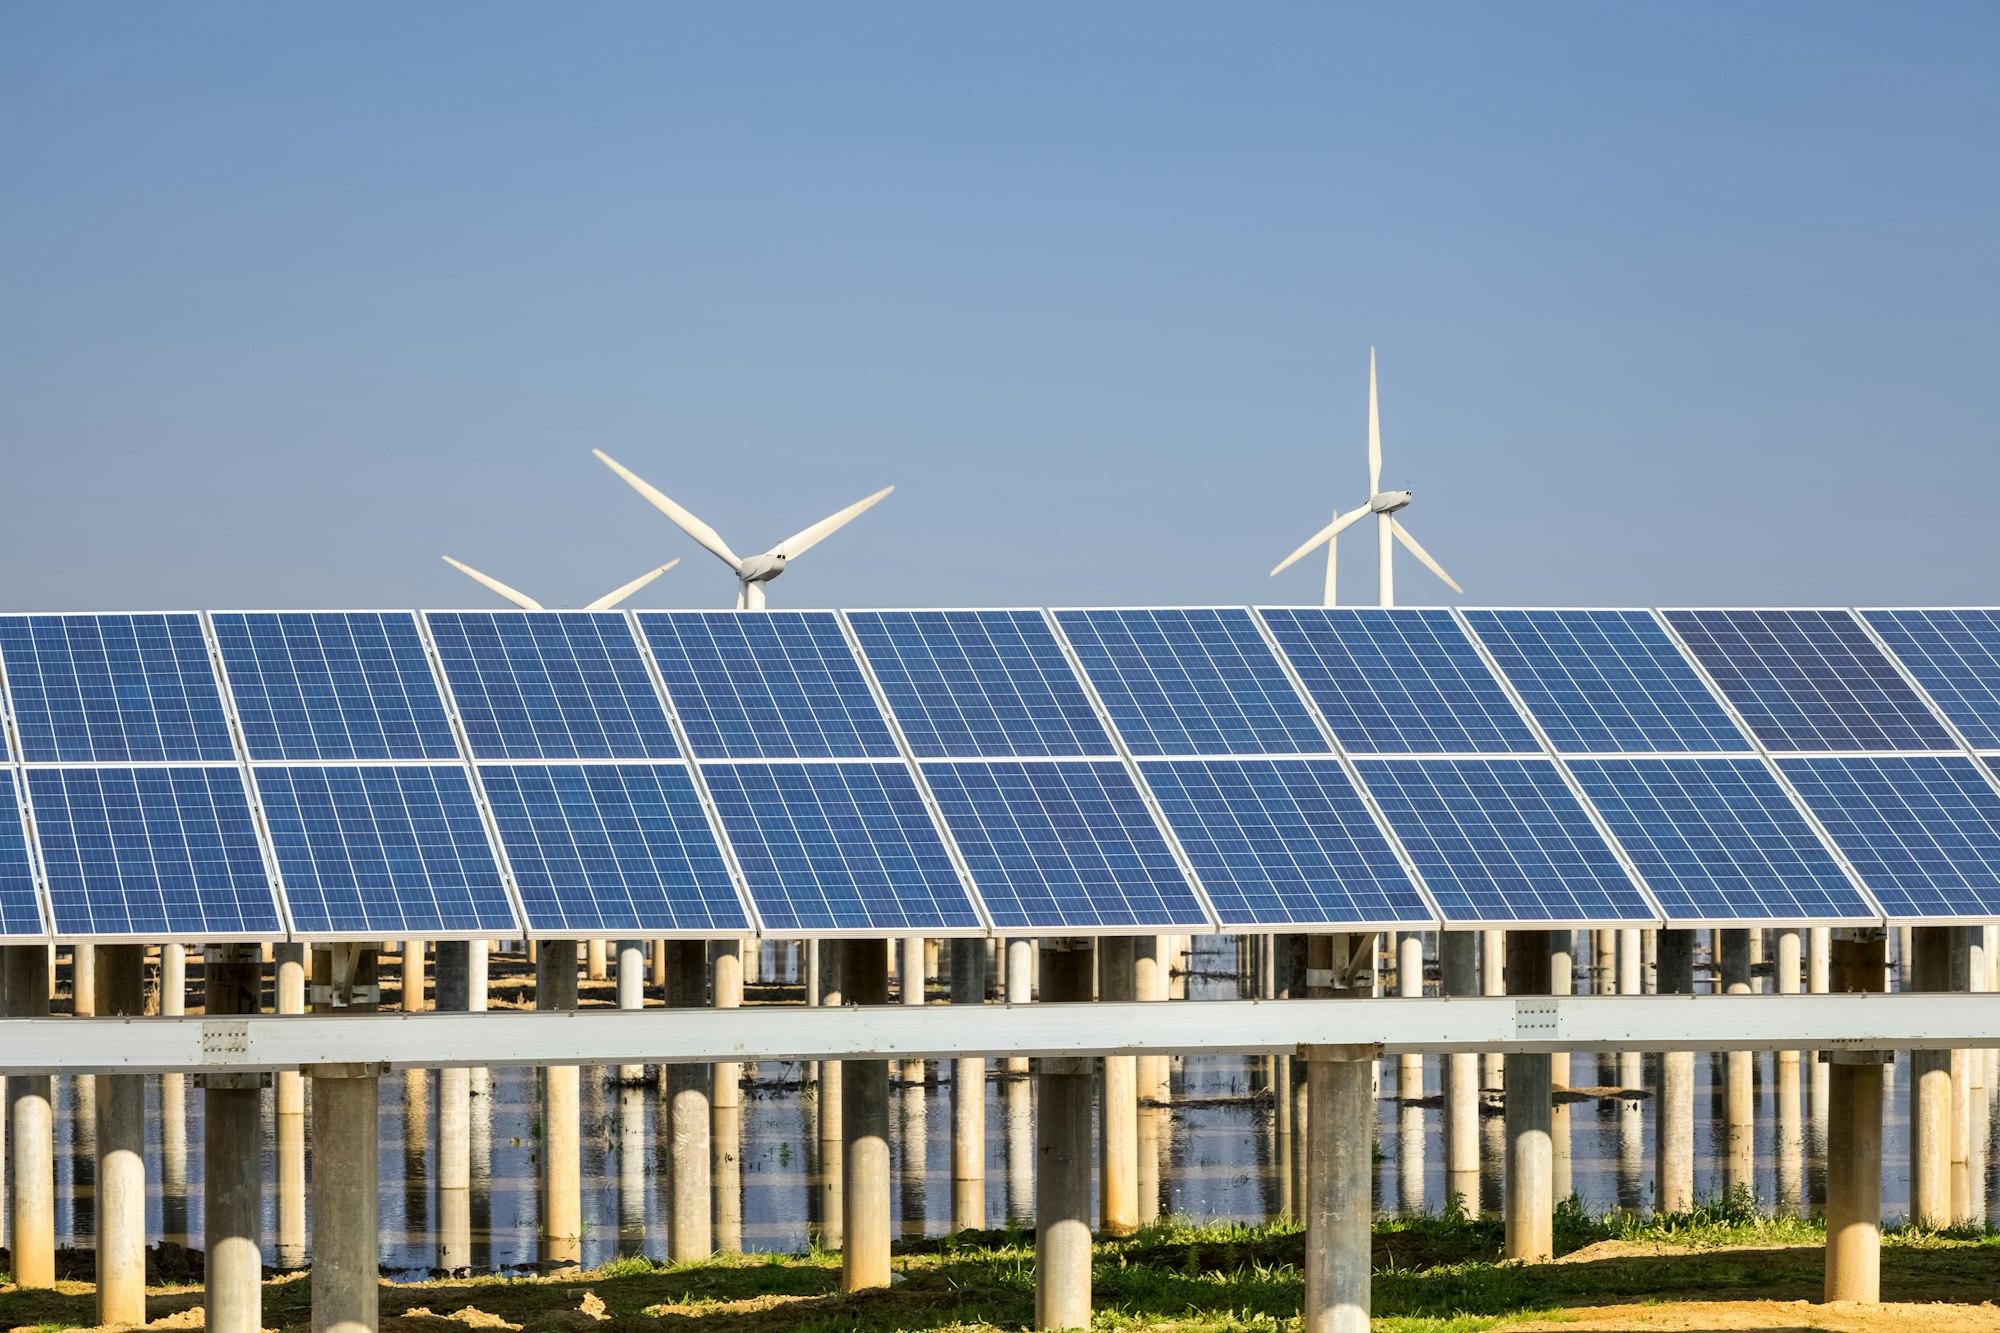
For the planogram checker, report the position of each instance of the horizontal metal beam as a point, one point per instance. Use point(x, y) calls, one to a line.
point(784, 1032)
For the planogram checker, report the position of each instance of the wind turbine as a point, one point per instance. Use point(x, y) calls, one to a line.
point(527, 603)
point(751, 574)
point(1383, 504)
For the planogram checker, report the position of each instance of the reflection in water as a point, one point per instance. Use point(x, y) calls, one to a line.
point(454, 1239)
point(727, 1139)
point(1017, 1118)
point(1632, 1174)
point(174, 1158)
point(289, 1109)
point(416, 1155)
point(631, 1149)
point(913, 1161)
point(1410, 1163)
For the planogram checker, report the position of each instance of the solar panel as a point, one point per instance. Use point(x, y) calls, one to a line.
point(161, 853)
point(380, 851)
point(1399, 680)
point(113, 689)
point(1191, 681)
point(333, 685)
point(1285, 842)
point(1810, 680)
point(1955, 656)
point(971, 684)
point(1606, 682)
point(1503, 841)
point(551, 685)
point(623, 849)
point(1718, 840)
point(1922, 831)
point(20, 906)
point(1066, 845)
point(772, 685)
point(839, 847)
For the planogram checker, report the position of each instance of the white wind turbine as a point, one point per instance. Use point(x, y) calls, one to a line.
point(1383, 504)
point(527, 603)
point(756, 571)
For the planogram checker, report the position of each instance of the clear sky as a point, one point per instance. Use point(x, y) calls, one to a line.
point(1676, 304)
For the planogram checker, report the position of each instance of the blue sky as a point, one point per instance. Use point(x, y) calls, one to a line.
point(1676, 304)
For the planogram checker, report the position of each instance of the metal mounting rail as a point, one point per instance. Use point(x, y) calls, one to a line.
point(1852, 1022)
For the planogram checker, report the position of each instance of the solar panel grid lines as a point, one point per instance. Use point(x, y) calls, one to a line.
point(1952, 655)
point(23, 913)
point(1809, 680)
point(115, 688)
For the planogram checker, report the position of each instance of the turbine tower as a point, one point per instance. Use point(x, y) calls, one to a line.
point(1383, 504)
point(527, 603)
point(756, 571)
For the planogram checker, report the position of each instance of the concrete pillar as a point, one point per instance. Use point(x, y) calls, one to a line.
point(727, 958)
point(864, 1258)
point(413, 977)
point(121, 1151)
point(1819, 951)
point(1673, 1187)
point(173, 980)
point(910, 985)
point(832, 1157)
point(728, 1143)
point(1410, 985)
point(1631, 981)
point(232, 1178)
point(1118, 1108)
point(1458, 973)
point(1854, 1136)
point(1562, 981)
point(1340, 1148)
point(1149, 980)
point(631, 995)
point(1740, 1094)
point(562, 1114)
point(1790, 978)
point(31, 1165)
point(596, 961)
point(689, 1233)
point(346, 1197)
point(1529, 1199)
point(289, 1104)
point(1021, 987)
point(1962, 1186)
point(83, 980)
point(1492, 981)
point(1062, 1154)
point(659, 971)
point(1929, 969)
point(454, 1167)
point(968, 1097)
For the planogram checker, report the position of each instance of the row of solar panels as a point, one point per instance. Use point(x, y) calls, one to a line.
point(380, 774)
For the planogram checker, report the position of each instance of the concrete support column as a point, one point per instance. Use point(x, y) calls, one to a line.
point(968, 1097)
point(121, 1151)
point(1562, 981)
point(726, 965)
point(631, 995)
point(910, 987)
point(1791, 1194)
point(1740, 1094)
point(597, 966)
point(1492, 981)
point(832, 1133)
point(83, 980)
point(1340, 1148)
point(1149, 980)
point(1929, 969)
point(413, 976)
point(289, 1103)
point(1062, 1154)
point(1021, 987)
point(1631, 981)
point(173, 980)
point(1458, 972)
point(1529, 1199)
point(1854, 1135)
point(690, 1234)
point(454, 1168)
point(1410, 985)
point(562, 1114)
point(232, 1178)
point(1673, 1189)
point(1118, 1106)
point(346, 1194)
point(1963, 1207)
point(864, 1257)
point(31, 1164)
point(1819, 952)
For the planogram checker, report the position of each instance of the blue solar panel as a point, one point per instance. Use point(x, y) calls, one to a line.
point(1955, 656)
point(1718, 840)
point(1187, 682)
point(167, 853)
point(767, 685)
point(1063, 845)
point(113, 689)
point(382, 851)
point(20, 907)
point(827, 847)
point(1923, 832)
point(620, 848)
point(333, 685)
point(967, 684)
point(1500, 840)
point(1399, 680)
point(1606, 682)
point(1284, 842)
point(551, 685)
point(1810, 680)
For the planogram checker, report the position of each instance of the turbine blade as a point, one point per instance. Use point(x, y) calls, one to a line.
point(514, 595)
point(1325, 534)
point(799, 543)
point(617, 595)
point(1374, 432)
point(686, 522)
point(1403, 536)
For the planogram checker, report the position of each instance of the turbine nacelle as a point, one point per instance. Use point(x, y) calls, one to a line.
point(761, 568)
point(1388, 502)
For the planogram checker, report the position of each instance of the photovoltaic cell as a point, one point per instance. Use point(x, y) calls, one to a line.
point(1199, 681)
point(1955, 656)
point(551, 685)
point(383, 851)
point(1499, 840)
point(168, 853)
point(1922, 831)
point(1718, 840)
point(20, 908)
point(1810, 680)
point(839, 846)
point(970, 684)
point(1399, 680)
point(621, 848)
point(113, 689)
point(771, 685)
point(1284, 842)
point(1063, 845)
point(1606, 682)
point(333, 685)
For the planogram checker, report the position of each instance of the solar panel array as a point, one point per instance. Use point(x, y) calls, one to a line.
point(368, 775)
